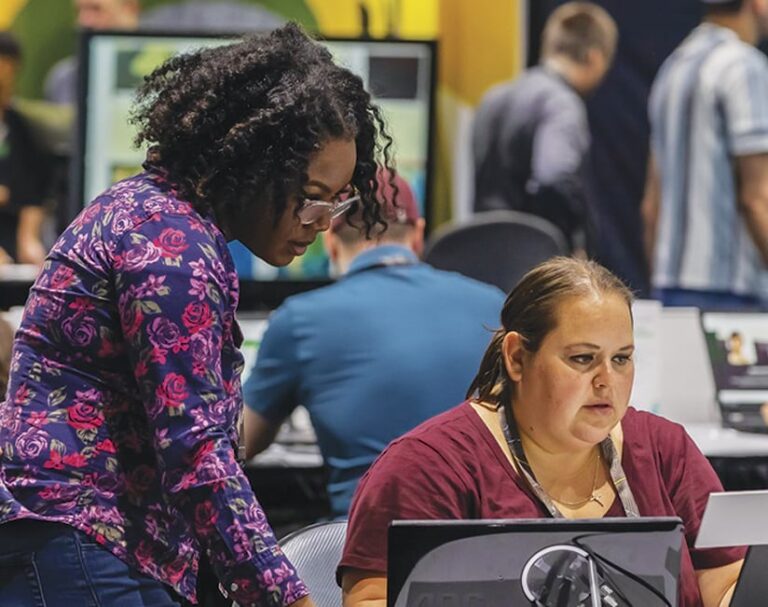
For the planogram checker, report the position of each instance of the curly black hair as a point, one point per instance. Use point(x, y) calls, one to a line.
point(236, 124)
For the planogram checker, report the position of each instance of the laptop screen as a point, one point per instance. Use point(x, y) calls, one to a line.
point(543, 562)
point(737, 344)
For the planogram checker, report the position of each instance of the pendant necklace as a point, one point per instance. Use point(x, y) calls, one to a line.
point(593, 497)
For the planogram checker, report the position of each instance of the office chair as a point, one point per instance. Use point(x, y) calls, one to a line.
point(496, 247)
point(315, 551)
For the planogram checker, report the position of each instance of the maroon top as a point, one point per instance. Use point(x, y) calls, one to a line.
point(451, 467)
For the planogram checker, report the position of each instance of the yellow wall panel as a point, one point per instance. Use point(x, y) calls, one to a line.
point(481, 44)
point(336, 17)
point(406, 18)
point(419, 19)
point(8, 11)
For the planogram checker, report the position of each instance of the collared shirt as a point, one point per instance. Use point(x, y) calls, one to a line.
point(389, 345)
point(124, 397)
point(530, 141)
point(709, 104)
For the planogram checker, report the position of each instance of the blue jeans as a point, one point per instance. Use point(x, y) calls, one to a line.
point(52, 565)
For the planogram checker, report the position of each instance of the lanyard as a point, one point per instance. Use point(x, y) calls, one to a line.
point(619, 478)
point(388, 261)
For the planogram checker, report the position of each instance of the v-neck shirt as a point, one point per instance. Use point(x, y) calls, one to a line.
point(452, 467)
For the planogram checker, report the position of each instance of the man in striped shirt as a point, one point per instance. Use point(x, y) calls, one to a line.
point(706, 200)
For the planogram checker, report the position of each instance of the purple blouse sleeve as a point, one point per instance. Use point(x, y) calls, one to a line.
point(176, 312)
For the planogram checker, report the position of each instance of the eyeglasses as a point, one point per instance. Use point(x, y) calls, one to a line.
point(311, 211)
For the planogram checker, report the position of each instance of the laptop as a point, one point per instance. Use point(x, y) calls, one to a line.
point(737, 518)
point(546, 562)
point(737, 345)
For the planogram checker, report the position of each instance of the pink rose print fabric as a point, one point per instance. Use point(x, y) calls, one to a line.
point(122, 408)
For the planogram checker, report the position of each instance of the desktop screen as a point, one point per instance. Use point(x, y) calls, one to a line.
point(252, 326)
point(399, 74)
point(737, 344)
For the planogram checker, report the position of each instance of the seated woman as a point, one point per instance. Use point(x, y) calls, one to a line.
point(546, 432)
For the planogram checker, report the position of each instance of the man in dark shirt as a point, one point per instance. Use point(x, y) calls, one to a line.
point(122, 15)
point(22, 171)
point(531, 135)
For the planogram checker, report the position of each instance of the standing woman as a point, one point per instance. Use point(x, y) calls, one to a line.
point(119, 433)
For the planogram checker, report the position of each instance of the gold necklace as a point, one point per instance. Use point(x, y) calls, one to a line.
point(593, 497)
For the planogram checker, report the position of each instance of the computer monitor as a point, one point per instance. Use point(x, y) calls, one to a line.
point(545, 562)
point(399, 74)
point(252, 326)
point(297, 429)
point(737, 344)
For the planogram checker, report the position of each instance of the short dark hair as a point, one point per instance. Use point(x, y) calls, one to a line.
point(9, 46)
point(531, 310)
point(719, 8)
point(575, 28)
point(394, 232)
point(236, 125)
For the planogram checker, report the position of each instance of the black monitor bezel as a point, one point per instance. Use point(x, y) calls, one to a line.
point(426, 535)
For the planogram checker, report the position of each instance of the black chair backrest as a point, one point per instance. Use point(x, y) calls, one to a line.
point(496, 247)
point(315, 551)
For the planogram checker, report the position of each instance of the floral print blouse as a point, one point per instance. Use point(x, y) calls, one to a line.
point(124, 397)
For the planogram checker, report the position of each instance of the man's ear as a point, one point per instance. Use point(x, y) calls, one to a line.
point(417, 237)
point(513, 353)
point(331, 244)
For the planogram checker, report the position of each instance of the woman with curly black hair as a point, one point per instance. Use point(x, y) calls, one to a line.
point(119, 475)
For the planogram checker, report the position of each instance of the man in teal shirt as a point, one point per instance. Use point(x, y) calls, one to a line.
point(391, 344)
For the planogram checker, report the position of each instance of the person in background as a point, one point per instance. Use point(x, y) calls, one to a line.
point(546, 432)
point(23, 170)
point(531, 137)
point(61, 83)
point(706, 200)
point(373, 355)
point(6, 347)
point(735, 347)
point(119, 477)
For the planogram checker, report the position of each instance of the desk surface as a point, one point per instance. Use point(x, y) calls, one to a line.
point(18, 272)
point(710, 437)
point(716, 441)
point(280, 455)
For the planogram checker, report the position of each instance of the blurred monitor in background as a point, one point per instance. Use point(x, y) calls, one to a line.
point(400, 75)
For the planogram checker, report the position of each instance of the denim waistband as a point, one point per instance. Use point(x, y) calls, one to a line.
point(29, 534)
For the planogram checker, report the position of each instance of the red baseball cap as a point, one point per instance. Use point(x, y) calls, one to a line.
point(405, 212)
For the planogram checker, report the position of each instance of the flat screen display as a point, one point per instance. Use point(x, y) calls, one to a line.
point(737, 344)
point(398, 73)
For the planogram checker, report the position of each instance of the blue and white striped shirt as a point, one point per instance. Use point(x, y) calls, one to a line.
point(709, 104)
